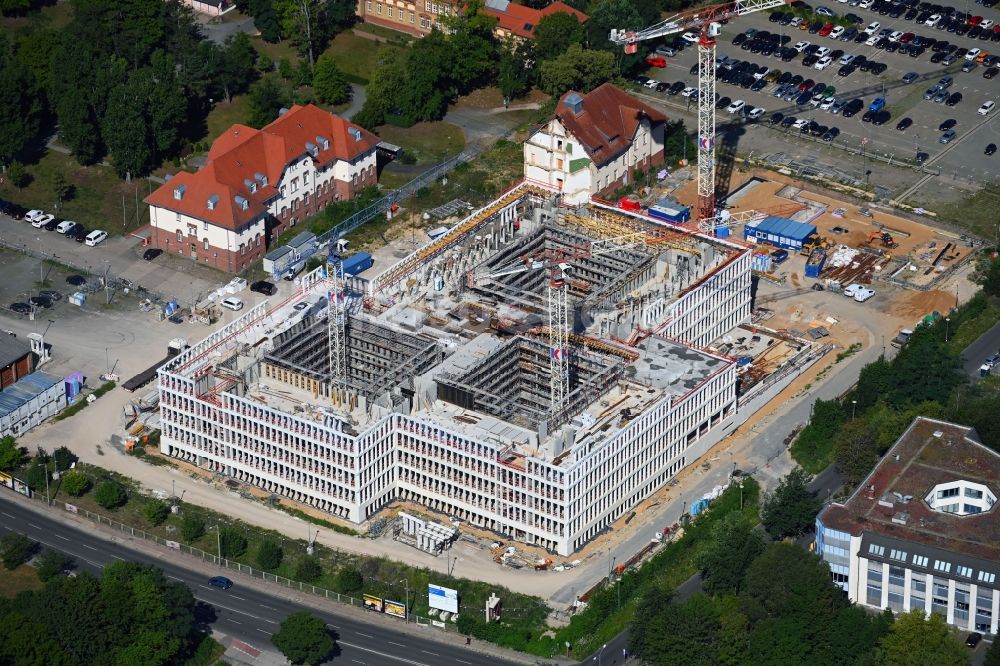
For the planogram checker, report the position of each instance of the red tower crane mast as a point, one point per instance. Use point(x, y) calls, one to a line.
point(707, 22)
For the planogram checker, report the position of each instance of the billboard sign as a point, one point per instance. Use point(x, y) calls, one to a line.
point(395, 608)
point(21, 487)
point(442, 598)
point(373, 603)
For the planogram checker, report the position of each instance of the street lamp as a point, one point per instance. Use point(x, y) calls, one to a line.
point(947, 328)
point(854, 408)
point(406, 611)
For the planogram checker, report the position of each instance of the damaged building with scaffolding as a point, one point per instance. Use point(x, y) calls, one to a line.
point(536, 371)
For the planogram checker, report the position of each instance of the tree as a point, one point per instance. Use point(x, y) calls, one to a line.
point(15, 549)
point(233, 542)
point(917, 639)
point(991, 278)
point(802, 589)
point(515, 72)
point(64, 458)
point(384, 89)
point(265, 19)
point(308, 569)
point(237, 69)
point(269, 555)
point(685, 633)
point(733, 547)
point(993, 655)
point(155, 511)
point(75, 482)
point(110, 495)
point(791, 510)
point(473, 46)
point(17, 175)
point(855, 450)
point(611, 15)
point(329, 83)
point(348, 580)
point(14, 7)
point(266, 99)
point(576, 69)
point(51, 563)
point(37, 474)
point(20, 106)
point(303, 639)
point(428, 83)
point(192, 527)
point(677, 142)
point(301, 23)
point(11, 454)
point(555, 33)
point(61, 189)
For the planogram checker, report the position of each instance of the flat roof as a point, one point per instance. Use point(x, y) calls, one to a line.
point(782, 226)
point(24, 390)
point(929, 453)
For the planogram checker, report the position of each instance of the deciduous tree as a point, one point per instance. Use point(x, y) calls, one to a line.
point(733, 547)
point(576, 69)
point(17, 175)
point(20, 105)
point(266, 100)
point(233, 542)
point(11, 454)
point(110, 495)
point(555, 33)
point(329, 83)
point(269, 555)
point(61, 189)
point(192, 527)
point(15, 549)
point(76, 483)
point(303, 639)
point(916, 638)
point(349, 580)
point(155, 511)
point(51, 563)
point(308, 569)
point(791, 509)
point(384, 89)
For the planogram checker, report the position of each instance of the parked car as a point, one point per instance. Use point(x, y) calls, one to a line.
point(152, 253)
point(33, 215)
point(947, 125)
point(65, 226)
point(947, 137)
point(904, 124)
point(53, 224)
point(972, 640)
point(910, 77)
point(262, 287)
point(986, 107)
point(735, 107)
point(232, 303)
point(81, 233)
point(95, 237)
point(990, 149)
point(655, 61)
point(42, 220)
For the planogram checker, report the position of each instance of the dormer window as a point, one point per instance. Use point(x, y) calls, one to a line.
point(260, 178)
point(242, 202)
point(251, 184)
point(179, 192)
point(354, 132)
point(213, 201)
point(322, 142)
point(312, 149)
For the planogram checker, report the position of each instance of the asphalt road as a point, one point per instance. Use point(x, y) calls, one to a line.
point(242, 612)
point(976, 353)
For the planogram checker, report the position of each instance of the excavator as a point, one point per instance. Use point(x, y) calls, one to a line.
point(884, 237)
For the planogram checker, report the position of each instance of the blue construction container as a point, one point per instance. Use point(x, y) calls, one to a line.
point(674, 214)
point(780, 232)
point(358, 262)
point(815, 263)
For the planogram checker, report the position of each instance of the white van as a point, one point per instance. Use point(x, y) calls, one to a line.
point(851, 289)
point(95, 237)
point(65, 226)
point(863, 294)
point(232, 303)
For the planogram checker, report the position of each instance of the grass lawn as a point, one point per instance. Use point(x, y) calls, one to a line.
point(97, 197)
point(275, 51)
point(356, 56)
point(224, 114)
point(21, 579)
point(976, 213)
point(429, 143)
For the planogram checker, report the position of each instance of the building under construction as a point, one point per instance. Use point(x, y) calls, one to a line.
point(536, 371)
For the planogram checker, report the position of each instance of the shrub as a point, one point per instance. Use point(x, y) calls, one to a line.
point(232, 542)
point(76, 483)
point(192, 527)
point(308, 569)
point(50, 564)
point(63, 458)
point(15, 550)
point(110, 495)
point(349, 580)
point(155, 511)
point(269, 555)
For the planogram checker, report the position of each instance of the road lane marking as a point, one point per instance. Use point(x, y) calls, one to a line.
point(175, 578)
point(234, 610)
point(63, 538)
point(394, 643)
point(462, 661)
point(35, 526)
point(8, 515)
point(267, 633)
point(236, 597)
point(118, 558)
point(365, 635)
point(274, 609)
point(435, 654)
point(236, 622)
point(383, 654)
point(86, 546)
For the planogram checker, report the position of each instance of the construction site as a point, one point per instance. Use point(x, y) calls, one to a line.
point(535, 372)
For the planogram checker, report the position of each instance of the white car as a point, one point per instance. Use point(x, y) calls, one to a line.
point(865, 4)
point(33, 215)
point(795, 22)
point(801, 46)
point(736, 106)
point(847, 59)
point(852, 289)
point(895, 35)
point(95, 237)
point(232, 303)
point(986, 107)
point(690, 37)
point(862, 294)
point(933, 20)
point(823, 52)
point(823, 11)
point(761, 73)
point(42, 220)
point(873, 27)
point(823, 63)
point(828, 103)
point(972, 54)
point(689, 92)
point(986, 23)
point(872, 40)
point(800, 123)
point(837, 32)
point(651, 83)
point(65, 226)
point(757, 113)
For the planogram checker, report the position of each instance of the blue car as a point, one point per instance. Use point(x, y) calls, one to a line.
point(877, 105)
point(220, 582)
point(804, 98)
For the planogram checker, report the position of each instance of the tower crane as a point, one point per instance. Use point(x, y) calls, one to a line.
point(707, 22)
point(336, 323)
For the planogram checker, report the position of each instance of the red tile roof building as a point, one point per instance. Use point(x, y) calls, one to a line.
point(258, 183)
point(414, 17)
point(594, 143)
point(519, 22)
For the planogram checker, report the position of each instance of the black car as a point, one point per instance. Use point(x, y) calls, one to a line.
point(846, 70)
point(831, 134)
point(41, 301)
point(990, 149)
point(788, 121)
point(818, 88)
point(953, 99)
point(694, 70)
point(15, 211)
point(662, 87)
point(53, 223)
point(938, 57)
point(861, 37)
point(916, 51)
point(21, 308)
point(81, 234)
point(881, 117)
point(723, 102)
point(784, 78)
point(990, 73)
point(739, 39)
point(810, 60)
point(76, 280)
point(51, 294)
point(676, 87)
point(152, 253)
point(262, 287)
point(904, 124)
point(947, 125)
point(642, 80)
point(868, 116)
point(758, 85)
point(972, 640)
point(71, 232)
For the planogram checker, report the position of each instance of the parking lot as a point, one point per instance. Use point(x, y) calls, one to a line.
point(963, 158)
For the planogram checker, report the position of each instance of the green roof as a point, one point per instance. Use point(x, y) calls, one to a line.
point(576, 165)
